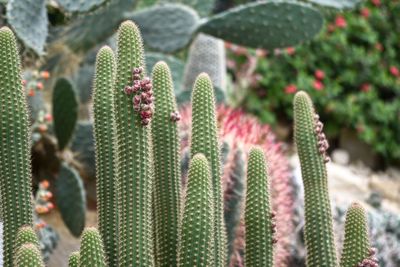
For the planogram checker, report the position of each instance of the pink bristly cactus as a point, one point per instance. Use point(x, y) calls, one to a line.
point(242, 131)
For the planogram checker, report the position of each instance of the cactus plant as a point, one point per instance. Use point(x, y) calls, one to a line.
point(25, 235)
point(73, 260)
point(81, 6)
point(321, 250)
point(356, 245)
point(258, 213)
point(28, 255)
point(91, 252)
point(197, 232)
point(204, 139)
point(15, 166)
point(167, 175)
point(105, 162)
point(133, 165)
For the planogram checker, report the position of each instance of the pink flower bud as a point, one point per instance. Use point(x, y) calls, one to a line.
point(128, 90)
point(136, 100)
point(136, 77)
point(145, 122)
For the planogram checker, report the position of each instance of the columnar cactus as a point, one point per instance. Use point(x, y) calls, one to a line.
point(25, 235)
point(204, 139)
point(319, 239)
point(15, 166)
point(197, 232)
point(133, 165)
point(167, 173)
point(91, 252)
point(104, 133)
point(356, 247)
point(258, 215)
point(73, 260)
point(28, 255)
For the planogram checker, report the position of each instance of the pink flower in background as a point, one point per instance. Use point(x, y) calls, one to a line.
point(365, 12)
point(319, 74)
point(379, 47)
point(290, 89)
point(376, 2)
point(340, 22)
point(365, 87)
point(290, 50)
point(318, 85)
point(394, 71)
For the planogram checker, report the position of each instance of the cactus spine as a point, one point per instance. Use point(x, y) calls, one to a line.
point(321, 251)
point(25, 235)
point(197, 233)
point(258, 214)
point(73, 260)
point(356, 245)
point(91, 252)
point(205, 141)
point(167, 173)
point(104, 133)
point(28, 255)
point(135, 242)
point(15, 166)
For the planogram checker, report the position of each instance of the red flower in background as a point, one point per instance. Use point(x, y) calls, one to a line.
point(290, 50)
point(340, 22)
point(365, 87)
point(318, 85)
point(379, 47)
point(376, 2)
point(319, 74)
point(290, 89)
point(365, 12)
point(394, 71)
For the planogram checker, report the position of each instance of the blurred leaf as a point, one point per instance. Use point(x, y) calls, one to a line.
point(78, 6)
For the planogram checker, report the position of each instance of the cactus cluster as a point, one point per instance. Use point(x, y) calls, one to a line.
point(139, 177)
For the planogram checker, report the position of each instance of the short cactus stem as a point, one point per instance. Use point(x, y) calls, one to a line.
point(26, 235)
point(260, 226)
point(28, 255)
point(92, 251)
point(73, 260)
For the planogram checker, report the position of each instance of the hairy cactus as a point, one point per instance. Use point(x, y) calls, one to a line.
point(15, 165)
point(105, 163)
point(28, 255)
point(25, 235)
point(310, 142)
point(356, 247)
point(204, 140)
point(197, 232)
point(91, 252)
point(258, 213)
point(133, 165)
point(167, 174)
point(73, 260)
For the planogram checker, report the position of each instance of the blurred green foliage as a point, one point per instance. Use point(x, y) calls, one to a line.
point(352, 72)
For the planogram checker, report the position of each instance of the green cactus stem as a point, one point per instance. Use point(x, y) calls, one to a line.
point(92, 251)
point(73, 260)
point(15, 159)
point(205, 141)
point(319, 238)
point(25, 235)
point(28, 255)
point(197, 233)
point(356, 245)
point(258, 214)
point(134, 170)
point(104, 133)
point(167, 173)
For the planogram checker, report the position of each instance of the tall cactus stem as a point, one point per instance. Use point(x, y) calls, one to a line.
point(15, 165)
point(319, 237)
point(197, 233)
point(167, 173)
point(205, 140)
point(258, 214)
point(134, 170)
point(104, 133)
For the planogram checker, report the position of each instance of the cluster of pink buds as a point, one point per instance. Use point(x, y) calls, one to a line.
point(142, 100)
point(175, 116)
point(273, 225)
point(371, 261)
point(322, 141)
